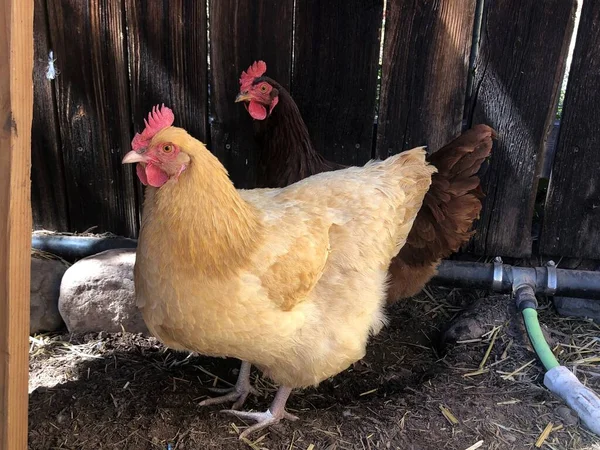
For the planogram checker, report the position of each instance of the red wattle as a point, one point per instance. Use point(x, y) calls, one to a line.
point(257, 111)
point(155, 176)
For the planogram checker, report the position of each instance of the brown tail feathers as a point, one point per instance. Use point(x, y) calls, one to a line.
point(449, 209)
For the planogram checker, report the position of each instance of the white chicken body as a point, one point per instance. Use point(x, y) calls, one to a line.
point(292, 280)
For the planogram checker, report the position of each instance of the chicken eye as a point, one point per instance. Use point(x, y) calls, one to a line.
point(263, 88)
point(167, 148)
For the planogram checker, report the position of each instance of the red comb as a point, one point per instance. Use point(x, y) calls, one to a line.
point(254, 71)
point(157, 120)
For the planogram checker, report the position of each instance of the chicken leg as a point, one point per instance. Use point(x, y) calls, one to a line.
point(238, 393)
point(271, 416)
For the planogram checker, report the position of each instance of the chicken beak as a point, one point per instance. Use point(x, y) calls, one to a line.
point(243, 97)
point(133, 157)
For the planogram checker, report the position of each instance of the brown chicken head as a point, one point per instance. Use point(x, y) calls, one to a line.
point(158, 162)
point(256, 91)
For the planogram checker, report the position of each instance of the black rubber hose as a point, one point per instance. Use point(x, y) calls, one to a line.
point(465, 274)
point(73, 248)
point(474, 275)
point(578, 283)
point(471, 275)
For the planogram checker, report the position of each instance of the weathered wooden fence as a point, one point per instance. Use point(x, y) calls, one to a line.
point(117, 58)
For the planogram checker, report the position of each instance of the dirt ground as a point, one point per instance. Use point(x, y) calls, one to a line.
point(125, 391)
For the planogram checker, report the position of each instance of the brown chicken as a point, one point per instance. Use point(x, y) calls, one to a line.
point(451, 205)
point(291, 280)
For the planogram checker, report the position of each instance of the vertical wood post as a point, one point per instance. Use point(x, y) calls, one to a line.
point(572, 214)
point(16, 106)
point(522, 56)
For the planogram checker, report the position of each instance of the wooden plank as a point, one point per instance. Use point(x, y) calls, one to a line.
point(334, 82)
point(16, 98)
point(424, 75)
point(241, 33)
point(48, 190)
point(168, 59)
point(168, 51)
point(572, 216)
point(521, 62)
point(94, 116)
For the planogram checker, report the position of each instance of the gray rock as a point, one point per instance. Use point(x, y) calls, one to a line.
point(482, 316)
point(45, 288)
point(578, 307)
point(568, 416)
point(485, 314)
point(97, 294)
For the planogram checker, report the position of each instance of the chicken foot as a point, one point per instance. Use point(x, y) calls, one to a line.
point(271, 416)
point(238, 393)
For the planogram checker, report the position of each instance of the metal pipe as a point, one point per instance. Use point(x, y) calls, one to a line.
point(502, 278)
point(473, 275)
point(72, 248)
point(496, 276)
point(578, 283)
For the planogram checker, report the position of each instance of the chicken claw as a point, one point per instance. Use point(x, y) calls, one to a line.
point(273, 415)
point(238, 393)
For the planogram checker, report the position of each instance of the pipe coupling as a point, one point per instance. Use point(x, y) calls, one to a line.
point(498, 274)
point(551, 278)
point(525, 298)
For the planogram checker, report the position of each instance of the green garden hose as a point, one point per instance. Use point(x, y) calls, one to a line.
point(538, 341)
point(559, 379)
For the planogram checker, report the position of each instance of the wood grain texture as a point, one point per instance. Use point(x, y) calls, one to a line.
point(424, 75)
point(168, 59)
point(572, 216)
point(334, 82)
point(94, 115)
point(48, 190)
point(242, 32)
point(521, 61)
point(16, 98)
point(167, 52)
